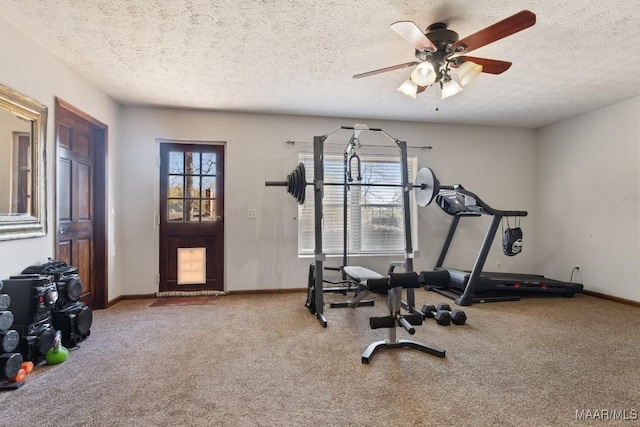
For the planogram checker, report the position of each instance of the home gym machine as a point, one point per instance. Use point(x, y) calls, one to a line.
point(468, 287)
point(424, 190)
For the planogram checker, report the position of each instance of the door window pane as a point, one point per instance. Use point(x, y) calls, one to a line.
point(175, 210)
point(193, 213)
point(208, 163)
point(193, 163)
point(193, 187)
point(176, 162)
point(208, 210)
point(208, 187)
point(176, 186)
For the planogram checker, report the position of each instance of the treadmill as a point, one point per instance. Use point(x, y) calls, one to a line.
point(476, 286)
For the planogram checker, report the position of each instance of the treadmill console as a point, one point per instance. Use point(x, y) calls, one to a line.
point(457, 203)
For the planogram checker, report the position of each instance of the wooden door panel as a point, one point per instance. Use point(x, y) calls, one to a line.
point(82, 142)
point(83, 261)
point(64, 190)
point(83, 192)
point(64, 252)
point(64, 136)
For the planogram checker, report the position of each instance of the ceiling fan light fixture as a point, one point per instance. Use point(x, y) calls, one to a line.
point(468, 71)
point(409, 88)
point(449, 88)
point(424, 74)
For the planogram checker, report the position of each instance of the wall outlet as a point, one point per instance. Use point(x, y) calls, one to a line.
point(499, 263)
point(251, 214)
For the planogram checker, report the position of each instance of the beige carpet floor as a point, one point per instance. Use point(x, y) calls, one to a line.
point(263, 360)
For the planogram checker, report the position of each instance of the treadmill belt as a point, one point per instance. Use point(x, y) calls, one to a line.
point(513, 282)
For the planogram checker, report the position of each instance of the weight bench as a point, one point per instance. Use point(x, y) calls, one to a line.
point(359, 275)
point(392, 285)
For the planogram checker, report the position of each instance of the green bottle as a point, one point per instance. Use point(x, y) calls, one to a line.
point(58, 353)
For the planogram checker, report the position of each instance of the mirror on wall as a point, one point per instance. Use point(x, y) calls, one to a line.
point(23, 124)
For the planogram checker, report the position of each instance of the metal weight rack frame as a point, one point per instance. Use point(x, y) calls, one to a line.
point(318, 188)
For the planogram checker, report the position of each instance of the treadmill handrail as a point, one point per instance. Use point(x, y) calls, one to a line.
point(486, 209)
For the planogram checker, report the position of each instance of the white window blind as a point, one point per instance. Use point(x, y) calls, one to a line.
point(375, 215)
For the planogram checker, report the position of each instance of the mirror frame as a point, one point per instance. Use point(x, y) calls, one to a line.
point(35, 224)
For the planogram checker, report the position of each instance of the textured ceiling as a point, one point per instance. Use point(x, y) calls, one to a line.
point(298, 57)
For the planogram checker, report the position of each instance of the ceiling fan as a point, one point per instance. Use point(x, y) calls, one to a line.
point(439, 49)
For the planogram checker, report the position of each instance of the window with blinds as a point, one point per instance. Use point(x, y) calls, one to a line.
point(375, 215)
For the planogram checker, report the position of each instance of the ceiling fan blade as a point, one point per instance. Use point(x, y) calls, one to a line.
point(384, 70)
point(506, 27)
point(413, 34)
point(491, 66)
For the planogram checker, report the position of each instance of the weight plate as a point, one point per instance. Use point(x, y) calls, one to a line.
point(297, 185)
point(11, 364)
point(6, 320)
point(9, 341)
point(426, 187)
point(303, 172)
point(290, 183)
point(5, 302)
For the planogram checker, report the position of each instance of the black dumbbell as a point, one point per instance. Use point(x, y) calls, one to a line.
point(5, 302)
point(442, 317)
point(458, 317)
point(6, 320)
point(10, 364)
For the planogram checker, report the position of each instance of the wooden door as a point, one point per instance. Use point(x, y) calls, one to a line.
point(191, 217)
point(81, 201)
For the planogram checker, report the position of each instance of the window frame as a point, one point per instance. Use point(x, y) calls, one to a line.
point(357, 198)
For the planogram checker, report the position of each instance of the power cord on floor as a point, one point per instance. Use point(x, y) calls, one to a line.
point(573, 271)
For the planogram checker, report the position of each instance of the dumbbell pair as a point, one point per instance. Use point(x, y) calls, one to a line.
point(443, 314)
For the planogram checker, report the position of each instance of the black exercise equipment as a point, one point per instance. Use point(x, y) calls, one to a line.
point(10, 364)
point(468, 287)
point(458, 317)
point(6, 320)
point(425, 189)
point(360, 276)
point(5, 302)
point(392, 286)
point(9, 341)
point(442, 317)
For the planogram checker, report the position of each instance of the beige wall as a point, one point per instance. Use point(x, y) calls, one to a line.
point(588, 198)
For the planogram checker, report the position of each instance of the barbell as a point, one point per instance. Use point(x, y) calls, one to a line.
point(426, 185)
